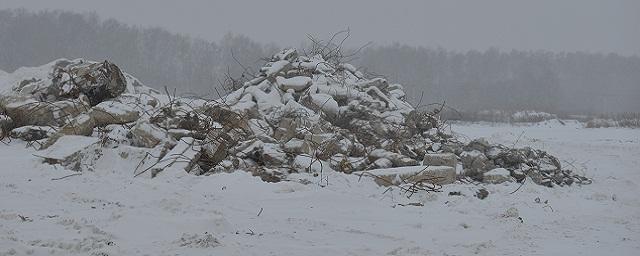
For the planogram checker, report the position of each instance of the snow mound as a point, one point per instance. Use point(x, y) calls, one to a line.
point(62, 73)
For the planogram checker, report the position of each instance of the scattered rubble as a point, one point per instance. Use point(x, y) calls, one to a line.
point(440, 159)
point(482, 193)
point(206, 240)
point(301, 113)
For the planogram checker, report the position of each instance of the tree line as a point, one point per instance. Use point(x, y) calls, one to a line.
point(558, 82)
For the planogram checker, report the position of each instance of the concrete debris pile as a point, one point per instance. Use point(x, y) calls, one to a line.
point(299, 114)
point(495, 163)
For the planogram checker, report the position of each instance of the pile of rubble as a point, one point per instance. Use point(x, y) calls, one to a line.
point(299, 114)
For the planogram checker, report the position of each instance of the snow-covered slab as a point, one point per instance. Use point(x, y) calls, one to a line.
point(440, 159)
point(66, 146)
point(179, 160)
point(326, 103)
point(497, 176)
point(148, 135)
point(32, 132)
point(298, 83)
point(113, 112)
point(394, 176)
point(275, 67)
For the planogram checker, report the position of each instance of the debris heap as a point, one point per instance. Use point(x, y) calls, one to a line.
point(299, 114)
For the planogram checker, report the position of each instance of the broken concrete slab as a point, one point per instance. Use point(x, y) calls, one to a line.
point(273, 155)
point(80, 125)
point(113, 112)
point(67, 145)
point(286, 129)
point(297, 146)
point(396, 159)
point(383, 163)
point(440, 175)
point(440, 159)
point(180, 160)
point(212, 155)
point(275, 68)
point(69, 151)
point(145, 134)
point(179, 133)
point(31, 132)
point(33, 112)
point(497, 176)
point(228, 118)
point(324, 103)
point(298, 84)
point(475, 162)
point(30, 112)
point(98, 80)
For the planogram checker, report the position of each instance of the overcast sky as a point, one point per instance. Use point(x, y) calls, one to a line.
point(557, 25)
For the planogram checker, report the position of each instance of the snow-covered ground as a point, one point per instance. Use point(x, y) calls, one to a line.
point(107, 212)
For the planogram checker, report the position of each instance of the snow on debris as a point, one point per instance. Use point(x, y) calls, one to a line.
point(299, 114)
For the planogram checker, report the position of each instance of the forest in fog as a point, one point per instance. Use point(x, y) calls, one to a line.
point(558, 82)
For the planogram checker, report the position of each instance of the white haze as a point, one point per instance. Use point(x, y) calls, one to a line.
point(567, 25)
point(573, 56)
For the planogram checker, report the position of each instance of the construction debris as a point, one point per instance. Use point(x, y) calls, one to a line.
point(301, 113)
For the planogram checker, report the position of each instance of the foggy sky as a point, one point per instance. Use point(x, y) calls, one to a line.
point(556, 25)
